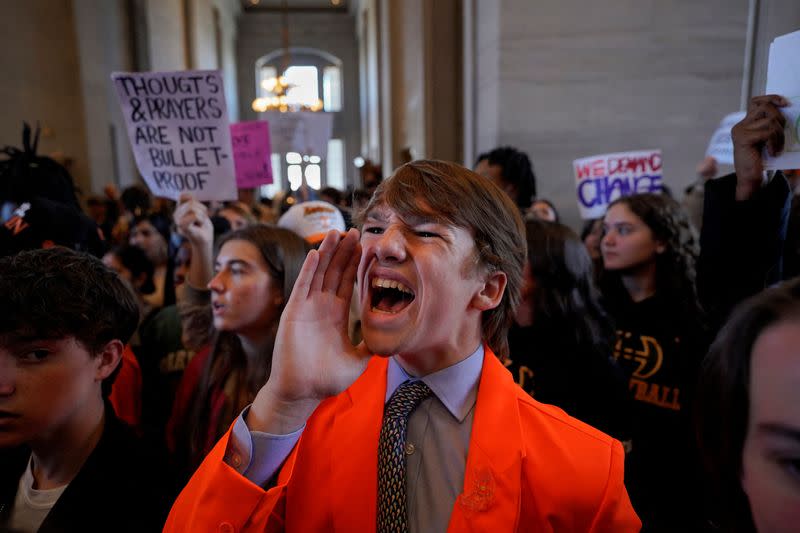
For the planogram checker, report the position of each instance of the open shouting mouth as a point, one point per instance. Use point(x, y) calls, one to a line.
point(390, 296)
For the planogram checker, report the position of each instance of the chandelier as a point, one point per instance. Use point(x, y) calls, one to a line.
point(278, 86)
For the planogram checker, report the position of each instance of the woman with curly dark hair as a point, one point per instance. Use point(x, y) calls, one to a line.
point(649, 251)
point(560, 344)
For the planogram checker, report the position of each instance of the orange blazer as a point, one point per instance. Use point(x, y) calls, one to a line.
point(530, 467)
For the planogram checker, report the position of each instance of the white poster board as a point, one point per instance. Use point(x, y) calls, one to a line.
point(720, 147)
point(178, 129)
point(601, 179)
point(304, 132)
point(783, 78)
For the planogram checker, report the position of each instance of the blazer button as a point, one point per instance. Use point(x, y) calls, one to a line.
point(226, 527)
point(410, 448)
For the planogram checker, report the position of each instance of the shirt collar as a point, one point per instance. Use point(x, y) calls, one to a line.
point(456, 386)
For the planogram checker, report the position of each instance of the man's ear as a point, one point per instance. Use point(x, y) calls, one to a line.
point(108, 359)
point(491, 294)
point(661, 247)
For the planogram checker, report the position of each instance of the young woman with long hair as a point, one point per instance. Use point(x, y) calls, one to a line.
point(649, 251)
point(562, 338)
point(748, 415)
point(254, 271)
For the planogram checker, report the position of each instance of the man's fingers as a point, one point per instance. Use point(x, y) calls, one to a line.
point(326, 251)
point(302, 284)
point(341, 258)
point(774, 99)
point(775, 140)
point(762, 133)
point(349, 275)
point(761, 112)
point(185, 197)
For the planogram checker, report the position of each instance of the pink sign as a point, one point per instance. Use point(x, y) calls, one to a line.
point(251, 153)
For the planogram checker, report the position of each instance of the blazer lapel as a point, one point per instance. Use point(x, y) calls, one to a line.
point(353, 486)
point(492, 480)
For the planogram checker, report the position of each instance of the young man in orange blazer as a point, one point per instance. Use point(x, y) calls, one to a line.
point(439, 266)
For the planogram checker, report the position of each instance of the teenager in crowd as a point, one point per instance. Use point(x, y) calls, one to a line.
point(38, 203)
point(542, 209)
point(511, 170)
point(254, 272)
point(132, 265)
point(745, 215)
point(461, 446)
point(649, 252)
point(237, 214)
point(748, 415)
point(562, 340)
point(66, 462)
point(150, 233)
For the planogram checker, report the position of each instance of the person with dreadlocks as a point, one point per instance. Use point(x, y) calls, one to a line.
point(511, 170)
point(38, 203)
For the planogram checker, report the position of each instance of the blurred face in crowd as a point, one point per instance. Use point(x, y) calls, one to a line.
point(771, 457)
point(183, 260)
point(627, 243)
point(112, 261)
point(244, 296)
point(97, 212)
point(492, 172)
point(46, 386)
point(145, 236)
point(543, 211)
point(236, 220)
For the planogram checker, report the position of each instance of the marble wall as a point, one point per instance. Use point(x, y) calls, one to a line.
point(61, 56)
point(567, 79)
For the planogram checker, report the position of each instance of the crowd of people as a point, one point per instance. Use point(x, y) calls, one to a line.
point(433, 352)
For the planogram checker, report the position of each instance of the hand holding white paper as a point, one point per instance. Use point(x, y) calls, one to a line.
point(783, 78)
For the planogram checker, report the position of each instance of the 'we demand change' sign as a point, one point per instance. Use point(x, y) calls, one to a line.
point(601, 179)
point(178, 128)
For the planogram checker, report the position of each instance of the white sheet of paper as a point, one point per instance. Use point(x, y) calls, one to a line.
point(178, 129)
point(783, 78)
point(720, 147)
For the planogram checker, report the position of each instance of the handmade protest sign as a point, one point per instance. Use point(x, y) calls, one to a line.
point(720, 147)
point(783, 78)
point(178, 128)
point(304, 132)
point(601, 179)
point(251, 153)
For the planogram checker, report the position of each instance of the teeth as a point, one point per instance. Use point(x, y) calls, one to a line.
point(390, 284)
